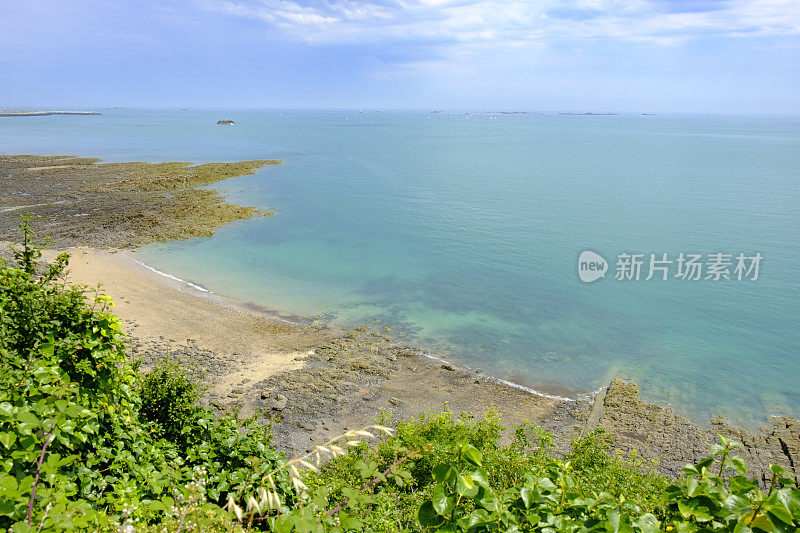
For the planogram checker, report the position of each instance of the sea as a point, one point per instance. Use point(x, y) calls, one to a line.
point(555, 251)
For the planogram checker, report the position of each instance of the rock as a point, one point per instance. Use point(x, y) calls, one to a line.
point(394, 400)
point(279, 402)
point(449, 367)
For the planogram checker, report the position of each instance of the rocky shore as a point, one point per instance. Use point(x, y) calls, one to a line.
point(309, 381)
point(359, 376)
point(80, 201)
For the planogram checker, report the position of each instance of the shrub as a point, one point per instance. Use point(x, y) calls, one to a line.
point(632, 477)
point(169, 401)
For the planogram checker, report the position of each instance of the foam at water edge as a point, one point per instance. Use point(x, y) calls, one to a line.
point(170, 276)
point(507, 383)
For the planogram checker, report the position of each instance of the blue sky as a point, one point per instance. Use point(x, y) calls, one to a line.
point(738, 56)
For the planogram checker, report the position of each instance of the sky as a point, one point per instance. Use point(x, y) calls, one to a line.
point(737, 56)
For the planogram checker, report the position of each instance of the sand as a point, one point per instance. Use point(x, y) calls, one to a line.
point(157, 309)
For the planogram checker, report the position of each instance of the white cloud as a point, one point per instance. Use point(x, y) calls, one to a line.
point(520, 22)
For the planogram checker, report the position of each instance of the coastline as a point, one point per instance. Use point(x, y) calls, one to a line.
point(243, 352)
point(311, 382)
point(300, 322)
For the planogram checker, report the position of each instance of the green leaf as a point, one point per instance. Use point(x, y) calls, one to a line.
point(7, 439)
point(168, 502)
point(489, 501)
point(686, 508)
point(736, 504)
point(284, 523)
point(741, 485)
point(465, 486)
point(47, 349)
point(742, 527)
point(779, 511)
point(156, 506)
point(528, 496)
point(349, 523)
point(471, 454)
point(480, 477)
point(648, 523)
point(428, 517)
point(778, 470)
point(443, 503)
point(444, 473)
point(702, 513)
point(790, 498)
point(738, 464)
point(478, 516)
point(691, 486)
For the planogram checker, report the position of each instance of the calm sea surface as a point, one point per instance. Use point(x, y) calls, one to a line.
point(465, 235)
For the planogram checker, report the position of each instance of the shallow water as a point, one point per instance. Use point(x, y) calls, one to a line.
point(465, 234)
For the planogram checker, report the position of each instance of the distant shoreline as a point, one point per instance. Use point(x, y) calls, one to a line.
point(4, 113)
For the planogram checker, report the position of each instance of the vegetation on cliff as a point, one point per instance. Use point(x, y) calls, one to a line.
point(88, 442)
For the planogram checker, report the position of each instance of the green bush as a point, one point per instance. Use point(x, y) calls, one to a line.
point(77, 448)
point(596, 470)
point(169, 401)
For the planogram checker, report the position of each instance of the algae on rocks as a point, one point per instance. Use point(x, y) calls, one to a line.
point(80, 201)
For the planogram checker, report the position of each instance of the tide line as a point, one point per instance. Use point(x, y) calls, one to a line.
point(170, 276)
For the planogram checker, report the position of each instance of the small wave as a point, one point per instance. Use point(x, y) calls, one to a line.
point(507, 383)
point(170, 276)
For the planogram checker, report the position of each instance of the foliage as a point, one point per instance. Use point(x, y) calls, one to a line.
point(391, 486)
point(79, 450)
point(595, 469)
point(464, 499)
point(169, 401)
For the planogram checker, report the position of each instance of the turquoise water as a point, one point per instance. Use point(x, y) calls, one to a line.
point(465, 235)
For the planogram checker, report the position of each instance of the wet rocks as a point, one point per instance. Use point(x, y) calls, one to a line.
point(78, 201)
point(657, 432)
point(331, 378)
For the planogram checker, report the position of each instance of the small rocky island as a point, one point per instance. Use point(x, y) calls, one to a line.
point(226, 122)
